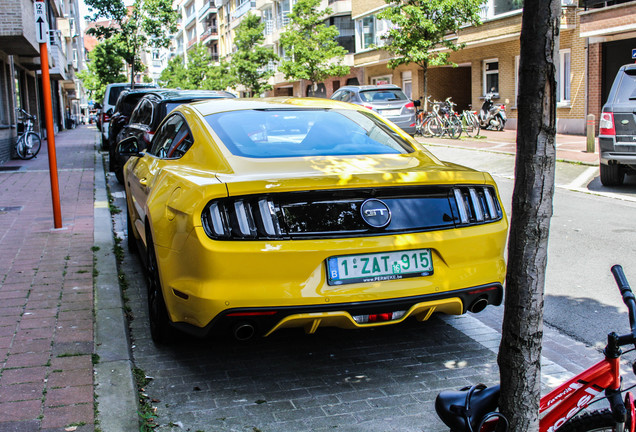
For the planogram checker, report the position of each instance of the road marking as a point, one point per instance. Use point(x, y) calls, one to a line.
point(583, 179)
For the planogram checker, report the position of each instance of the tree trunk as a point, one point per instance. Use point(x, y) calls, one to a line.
point(424, 85)
point(520, 351)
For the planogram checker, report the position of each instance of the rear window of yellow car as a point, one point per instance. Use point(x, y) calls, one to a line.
point(276, 133)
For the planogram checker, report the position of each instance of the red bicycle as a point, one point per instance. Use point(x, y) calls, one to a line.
point(474, 409)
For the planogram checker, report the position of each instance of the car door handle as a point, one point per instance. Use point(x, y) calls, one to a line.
point(143, 181)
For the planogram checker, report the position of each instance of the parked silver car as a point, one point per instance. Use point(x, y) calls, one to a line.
point(387, 100)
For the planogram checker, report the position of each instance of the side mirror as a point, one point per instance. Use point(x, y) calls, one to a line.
point(417, 103)
point(97, 106)
point(129, 147)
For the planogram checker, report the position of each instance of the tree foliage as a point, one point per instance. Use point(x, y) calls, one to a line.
point(421, 27)
point(200, 72)
point(104, 67)
point(310, 45)
point(520, 350)
point(132, 29)
point(251, 57)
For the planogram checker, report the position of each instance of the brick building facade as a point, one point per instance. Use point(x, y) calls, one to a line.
point(595, 41)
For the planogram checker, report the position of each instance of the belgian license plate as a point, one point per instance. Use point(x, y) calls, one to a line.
point(391, 112)
point(376, 267)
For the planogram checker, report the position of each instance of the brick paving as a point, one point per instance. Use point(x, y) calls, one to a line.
point(46, 290)
point(377, 380)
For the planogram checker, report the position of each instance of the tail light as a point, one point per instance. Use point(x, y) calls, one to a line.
point(476, 204)
point(368, 107)
point(241, 219)
point(606, 125)
point(409, 106)
point(105, 118)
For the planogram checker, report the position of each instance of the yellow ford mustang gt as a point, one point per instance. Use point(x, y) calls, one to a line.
point(257, 215)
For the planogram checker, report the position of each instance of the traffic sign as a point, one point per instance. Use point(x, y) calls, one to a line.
point(41, 23)
point(633, 53)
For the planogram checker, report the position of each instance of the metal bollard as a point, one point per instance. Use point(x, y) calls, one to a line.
point(591, 141)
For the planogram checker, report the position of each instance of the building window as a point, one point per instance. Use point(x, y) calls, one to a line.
point(563, 78)
point(491, 76)
point(369, 31)
point(384, 79)
point(407, 84)
point(517, 58)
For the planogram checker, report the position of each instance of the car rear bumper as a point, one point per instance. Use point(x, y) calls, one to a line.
point(355, 315)
point(612, 151)
point(206, 279)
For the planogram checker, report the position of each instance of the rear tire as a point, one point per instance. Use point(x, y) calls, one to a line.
point(161, 330)
point(434, 127)
point(612, 175)
point(594, 421)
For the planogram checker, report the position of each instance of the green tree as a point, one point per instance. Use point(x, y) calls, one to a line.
point(421, 27)
point(520, 350)
point(145, 24)
point(104, 67)
point(251, 58)
point(200, 72)
point(310, 45)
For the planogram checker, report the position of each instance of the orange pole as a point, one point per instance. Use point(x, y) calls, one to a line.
point(50, 135)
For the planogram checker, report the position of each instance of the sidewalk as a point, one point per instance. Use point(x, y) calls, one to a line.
point(62, 335)
point(46, 290)
point(570, 148)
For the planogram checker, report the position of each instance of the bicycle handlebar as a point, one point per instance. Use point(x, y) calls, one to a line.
point(629, 300)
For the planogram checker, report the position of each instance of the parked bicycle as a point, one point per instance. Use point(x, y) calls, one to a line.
point(28, 143)
point(470, 123)
point(474, 409)
point(443, 121)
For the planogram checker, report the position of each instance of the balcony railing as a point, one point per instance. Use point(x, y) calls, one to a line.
point(243, 9)
point(490, 10)
point(208, 7)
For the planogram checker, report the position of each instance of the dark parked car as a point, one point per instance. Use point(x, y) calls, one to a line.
point(125, 105)
point(617, 129)
point(387, 100)
point(107, 107)
point(151, 110)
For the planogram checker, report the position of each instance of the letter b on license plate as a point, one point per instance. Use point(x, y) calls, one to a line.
point(379, 266)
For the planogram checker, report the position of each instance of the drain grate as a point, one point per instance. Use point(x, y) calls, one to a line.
point(10, 168)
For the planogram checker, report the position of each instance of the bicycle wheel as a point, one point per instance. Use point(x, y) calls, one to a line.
point(454, 127)
point(425, 128)
point(469, 126)
point(475, 122)
point(593, 421)
point(435, 127)
point(419, 122)
point(28, 146)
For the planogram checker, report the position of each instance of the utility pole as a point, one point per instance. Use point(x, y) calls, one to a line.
point(42, 35)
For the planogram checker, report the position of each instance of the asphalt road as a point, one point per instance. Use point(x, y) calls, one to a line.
point(592, 228)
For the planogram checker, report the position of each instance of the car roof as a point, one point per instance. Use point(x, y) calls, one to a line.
point(176, 94)
point(371, 87)
point(222, 105)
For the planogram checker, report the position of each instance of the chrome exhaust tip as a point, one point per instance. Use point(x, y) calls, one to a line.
point(478, 305)
point(244, 331)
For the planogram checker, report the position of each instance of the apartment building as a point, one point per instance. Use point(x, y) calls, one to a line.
point(20, 68)
point(275, 16)
point(197, 23)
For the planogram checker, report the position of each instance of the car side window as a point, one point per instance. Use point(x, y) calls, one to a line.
point(138, 112)
point(346, 96)
point(173, 139)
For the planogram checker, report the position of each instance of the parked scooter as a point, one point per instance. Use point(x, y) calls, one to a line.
point(492, 116)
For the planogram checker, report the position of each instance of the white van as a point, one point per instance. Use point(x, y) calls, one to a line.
point(108, 105)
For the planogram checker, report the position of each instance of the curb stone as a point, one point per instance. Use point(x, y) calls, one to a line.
point(115, 389)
